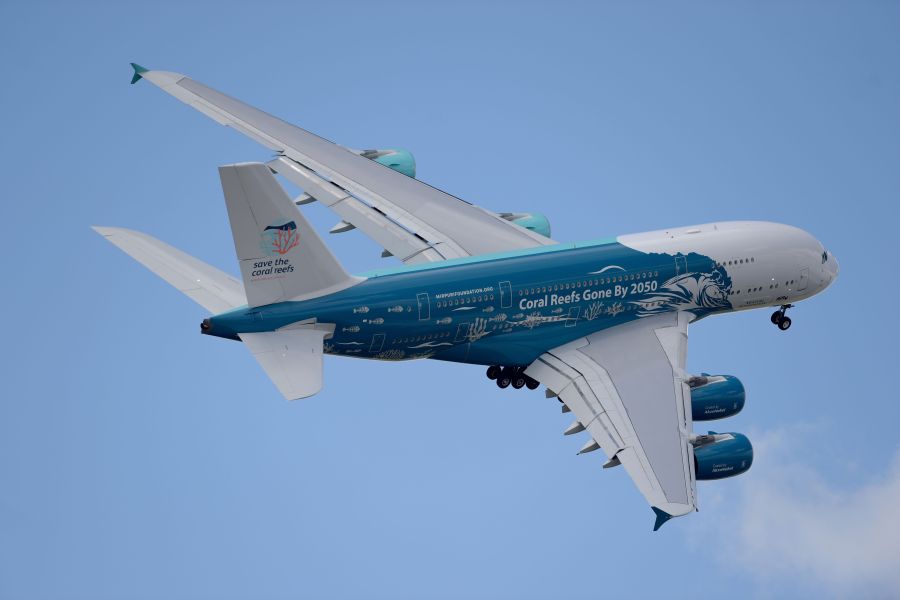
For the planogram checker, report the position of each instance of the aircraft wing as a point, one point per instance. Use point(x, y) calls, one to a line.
point(412, 220)
point(627, 388)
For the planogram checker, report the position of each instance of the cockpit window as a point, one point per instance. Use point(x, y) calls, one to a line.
point(824, 256)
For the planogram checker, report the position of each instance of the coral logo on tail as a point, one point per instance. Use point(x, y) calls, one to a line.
point(279, 239)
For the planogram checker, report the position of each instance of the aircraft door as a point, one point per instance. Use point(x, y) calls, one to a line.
point(424, 306)
point(377, 343)
point(505, 294)
point(462, 332)
point(804, 279)
point(680, 264)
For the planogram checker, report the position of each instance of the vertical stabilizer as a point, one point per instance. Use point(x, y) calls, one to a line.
point(281, 257)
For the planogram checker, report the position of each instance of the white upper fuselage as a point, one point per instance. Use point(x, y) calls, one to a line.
point(770, 264)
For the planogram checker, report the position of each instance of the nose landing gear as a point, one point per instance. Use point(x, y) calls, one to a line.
point(514, 376)
point(781, 320)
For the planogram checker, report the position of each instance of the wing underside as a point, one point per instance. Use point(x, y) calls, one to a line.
point(626, 387)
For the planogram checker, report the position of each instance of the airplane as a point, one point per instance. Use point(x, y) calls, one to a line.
point(601, 324)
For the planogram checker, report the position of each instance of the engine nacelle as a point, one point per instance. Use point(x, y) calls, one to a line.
point(721, 455)
point(401, 161)
point(536, 222)
point(716, 397)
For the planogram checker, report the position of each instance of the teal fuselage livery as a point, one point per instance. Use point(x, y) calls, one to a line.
point(602, 325)
point(503, 310)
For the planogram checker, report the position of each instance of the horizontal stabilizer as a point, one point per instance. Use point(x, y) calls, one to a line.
point(207, 286)
point(291, 358)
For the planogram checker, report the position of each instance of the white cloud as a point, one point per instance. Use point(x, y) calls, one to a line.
point(788, 523)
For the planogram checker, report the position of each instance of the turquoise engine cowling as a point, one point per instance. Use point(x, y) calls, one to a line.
point(724, 455)
point(536, 222)
point(399, 160)
point(716, 397)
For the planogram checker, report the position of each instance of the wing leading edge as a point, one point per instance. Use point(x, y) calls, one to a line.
point(626, 387)
point(414, 221)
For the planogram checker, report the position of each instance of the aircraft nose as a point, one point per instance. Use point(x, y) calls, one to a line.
point(831, 266)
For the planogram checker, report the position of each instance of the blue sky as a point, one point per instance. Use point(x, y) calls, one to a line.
point(139, 459)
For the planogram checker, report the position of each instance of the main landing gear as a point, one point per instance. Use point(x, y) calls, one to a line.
point(511, 376)
point(780, 319)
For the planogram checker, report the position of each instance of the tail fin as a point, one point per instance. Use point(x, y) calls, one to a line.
point(281, 256)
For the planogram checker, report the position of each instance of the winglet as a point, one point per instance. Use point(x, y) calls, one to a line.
point(138, 69)
point(661, 517)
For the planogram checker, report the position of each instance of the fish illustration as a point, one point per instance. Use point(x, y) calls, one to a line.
point(498, 318)
point(488, 309)
point(519, 316)
point(351, 344)
point(556, 311)
point(464, 308)
point(352, 329)
point(377, 321)
point(361, 310)
point(395, 309)
point(444, 321)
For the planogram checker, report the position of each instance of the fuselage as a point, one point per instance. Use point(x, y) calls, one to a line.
point(509, 308)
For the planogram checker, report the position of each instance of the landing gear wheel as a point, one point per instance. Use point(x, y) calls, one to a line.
point(503, 381)
point(531, 383)
point(781, 319)
point(518, 381)
point(493, 372)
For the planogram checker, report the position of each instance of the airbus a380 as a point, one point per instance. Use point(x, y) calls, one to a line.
point(601, 324)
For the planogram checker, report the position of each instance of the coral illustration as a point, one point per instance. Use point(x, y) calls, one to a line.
point(593, 311)
point(477, 330)
point(284, 239)
point(615, 309)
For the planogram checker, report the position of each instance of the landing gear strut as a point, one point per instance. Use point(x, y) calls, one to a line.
point(514, 376)
point(781, 320)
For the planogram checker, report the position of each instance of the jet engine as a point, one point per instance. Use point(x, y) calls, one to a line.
point(536, 222)
point(401, 161)
point(721, 455)
point(716, 396)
